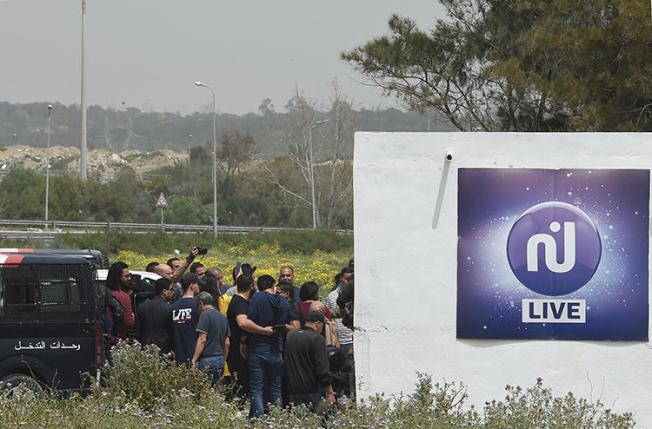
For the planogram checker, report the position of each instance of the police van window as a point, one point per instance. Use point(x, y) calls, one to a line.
point(20, 294)
point(59, 295)
point(27, 294)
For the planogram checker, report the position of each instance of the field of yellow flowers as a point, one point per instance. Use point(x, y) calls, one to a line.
point(319, 266)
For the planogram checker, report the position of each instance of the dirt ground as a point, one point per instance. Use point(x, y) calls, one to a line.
point(100, 161)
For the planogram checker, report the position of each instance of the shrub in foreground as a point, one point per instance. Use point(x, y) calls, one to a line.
point(141, 375)
point(146, 389)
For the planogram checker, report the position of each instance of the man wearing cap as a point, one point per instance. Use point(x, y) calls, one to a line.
point(306, 364)
point(185, 316)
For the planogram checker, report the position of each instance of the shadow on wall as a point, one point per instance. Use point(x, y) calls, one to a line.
point(442, 188)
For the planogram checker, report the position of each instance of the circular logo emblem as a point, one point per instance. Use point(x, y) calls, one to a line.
point(554, 248)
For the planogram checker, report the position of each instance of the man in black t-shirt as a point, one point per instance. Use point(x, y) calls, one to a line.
point(184, 318)
point(237, 317)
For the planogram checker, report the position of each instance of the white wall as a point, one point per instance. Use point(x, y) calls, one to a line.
point(406, 265)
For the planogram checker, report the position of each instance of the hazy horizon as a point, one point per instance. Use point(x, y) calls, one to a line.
point(148, 53)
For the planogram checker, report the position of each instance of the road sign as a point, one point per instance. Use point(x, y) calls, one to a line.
point(161, 202)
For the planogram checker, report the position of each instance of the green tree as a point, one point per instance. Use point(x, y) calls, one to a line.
point(501, 65)
point(603, 55)
point(123, 200)
point(66, 198)
point(187, 211)
point(236, 151)
point(200, 155)
point(22, 195)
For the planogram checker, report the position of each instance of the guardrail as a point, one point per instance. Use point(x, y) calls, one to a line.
point(104, 178)
point(57, 227)
point(29, 235)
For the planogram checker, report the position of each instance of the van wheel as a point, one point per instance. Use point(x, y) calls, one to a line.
point(14, 384)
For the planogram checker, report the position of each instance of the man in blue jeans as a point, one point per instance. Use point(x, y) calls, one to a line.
point(212, 338)
point(265, 352)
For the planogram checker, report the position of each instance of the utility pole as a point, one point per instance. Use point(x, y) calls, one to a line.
point(214, 160)
point(47, 164)
point(83, 159)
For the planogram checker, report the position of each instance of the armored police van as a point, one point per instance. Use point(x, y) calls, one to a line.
point(50, 321)
point(94, 256)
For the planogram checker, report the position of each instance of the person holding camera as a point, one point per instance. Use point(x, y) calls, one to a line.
point(174, 274)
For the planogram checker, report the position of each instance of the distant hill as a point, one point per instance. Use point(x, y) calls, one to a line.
point(119, 130)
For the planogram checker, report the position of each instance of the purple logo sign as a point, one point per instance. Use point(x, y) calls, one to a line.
point(563, 279)
point(554, 248)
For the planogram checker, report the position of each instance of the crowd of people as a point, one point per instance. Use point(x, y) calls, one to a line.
point(270, 340)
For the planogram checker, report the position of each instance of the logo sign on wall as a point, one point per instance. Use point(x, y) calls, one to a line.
point(553, 254)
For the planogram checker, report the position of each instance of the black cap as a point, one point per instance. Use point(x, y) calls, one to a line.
point(314, 316)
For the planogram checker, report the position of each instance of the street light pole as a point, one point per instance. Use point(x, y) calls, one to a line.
point(83, 149)
point(214, 159)
point(312, 172)
point(47, 164)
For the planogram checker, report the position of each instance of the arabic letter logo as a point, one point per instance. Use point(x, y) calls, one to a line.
point(554, 248)
point(550, 249)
